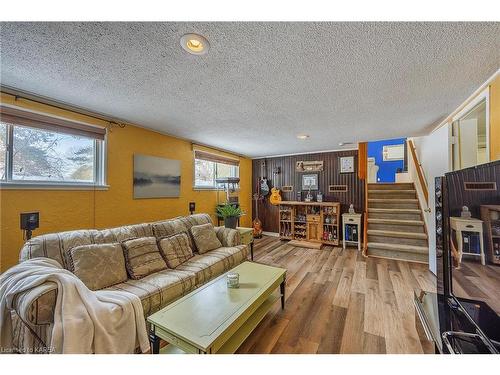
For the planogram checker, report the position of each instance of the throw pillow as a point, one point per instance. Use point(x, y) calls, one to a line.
point(142, 257)
point(99, 265)
point(175, 249)
point(205, 238)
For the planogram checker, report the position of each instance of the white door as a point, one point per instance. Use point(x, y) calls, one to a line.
point(468, 143)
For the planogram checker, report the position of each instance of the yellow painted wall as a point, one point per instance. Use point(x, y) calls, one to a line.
point(66, 210)
point(495, 119)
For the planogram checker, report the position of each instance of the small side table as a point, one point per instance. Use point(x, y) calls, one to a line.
point(246, 235)
point(460, 225)
point(351, 219)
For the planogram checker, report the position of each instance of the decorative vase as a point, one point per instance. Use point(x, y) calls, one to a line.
point(231, 222)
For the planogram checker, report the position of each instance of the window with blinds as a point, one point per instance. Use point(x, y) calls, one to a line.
point(208, 167)
point(36, 149)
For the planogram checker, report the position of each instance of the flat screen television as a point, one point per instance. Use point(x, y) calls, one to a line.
point(468, 257)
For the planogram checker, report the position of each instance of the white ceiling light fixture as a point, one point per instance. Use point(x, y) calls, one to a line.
point(195, 44)
point(302, 136)
point(345, 144)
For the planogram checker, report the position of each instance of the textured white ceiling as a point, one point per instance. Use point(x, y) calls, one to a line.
point(261, 83)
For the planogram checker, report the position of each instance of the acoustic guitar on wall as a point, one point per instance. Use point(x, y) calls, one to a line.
point(257, 224)
point(275, 197)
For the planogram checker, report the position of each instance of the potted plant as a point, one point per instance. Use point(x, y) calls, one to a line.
point(230, 213)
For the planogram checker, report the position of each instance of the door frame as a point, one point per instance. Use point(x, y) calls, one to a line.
point(483, 95)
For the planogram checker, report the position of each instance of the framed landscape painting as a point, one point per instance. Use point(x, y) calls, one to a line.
point(156, 177)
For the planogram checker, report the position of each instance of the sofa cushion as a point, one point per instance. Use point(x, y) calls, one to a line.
point(175, 249)
point(205, 238)
point(214, 263)
point(178, 225)
point(98, 265)
point(142, 257)
point(56, 245)
point(228, 237)
point(120, 234)
point(159, 289)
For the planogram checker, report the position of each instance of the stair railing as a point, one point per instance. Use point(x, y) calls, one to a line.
point(420, 171)
point(365, 221)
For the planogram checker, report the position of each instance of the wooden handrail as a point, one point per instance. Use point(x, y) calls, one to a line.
point(365, 220)
point(420, 171)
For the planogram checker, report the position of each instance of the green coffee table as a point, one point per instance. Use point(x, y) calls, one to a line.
point(218, 319)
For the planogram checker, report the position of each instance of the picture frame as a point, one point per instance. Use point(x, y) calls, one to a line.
point(346, 164)
point(156, 177)
point(309, 166)
point(310, 181)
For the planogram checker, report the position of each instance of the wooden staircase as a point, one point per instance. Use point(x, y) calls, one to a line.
point(395, 225)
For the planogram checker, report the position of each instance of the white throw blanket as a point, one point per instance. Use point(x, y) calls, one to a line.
point(85, 321)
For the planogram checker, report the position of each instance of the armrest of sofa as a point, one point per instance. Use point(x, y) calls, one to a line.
point(36, 306)
point(228, 237)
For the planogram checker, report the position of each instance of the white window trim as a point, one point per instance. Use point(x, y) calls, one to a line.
point(34, 185)
point(205, 188)
point(100, 171)
point(385, 152)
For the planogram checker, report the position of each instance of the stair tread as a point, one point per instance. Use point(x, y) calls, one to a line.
point(388, 191)
point(392, 233)
point(390, 183)
point(391, 186)
point(395, 221)
point(392, 200)
point(399, 210)
point(398, 247)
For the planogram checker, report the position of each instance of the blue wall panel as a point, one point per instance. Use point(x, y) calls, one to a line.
point(387, 169)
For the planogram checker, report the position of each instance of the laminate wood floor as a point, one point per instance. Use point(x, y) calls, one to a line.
point(341, 302)
point(475, 281)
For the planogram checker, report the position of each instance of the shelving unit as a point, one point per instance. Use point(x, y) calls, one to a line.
point(315, 222)
point(490, 214)
point(286, 215)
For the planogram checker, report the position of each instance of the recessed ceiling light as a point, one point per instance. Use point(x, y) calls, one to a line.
point(345, 143)
point(195, 44)
point(302, 136)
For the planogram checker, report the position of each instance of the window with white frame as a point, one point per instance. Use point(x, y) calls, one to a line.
point(39, 150)
point(208, 167)
point(393, 152)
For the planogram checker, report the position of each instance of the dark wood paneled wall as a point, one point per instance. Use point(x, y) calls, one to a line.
point(459, 197)
point(330, 175)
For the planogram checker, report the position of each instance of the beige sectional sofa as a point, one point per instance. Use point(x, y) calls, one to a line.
point(33, 315)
